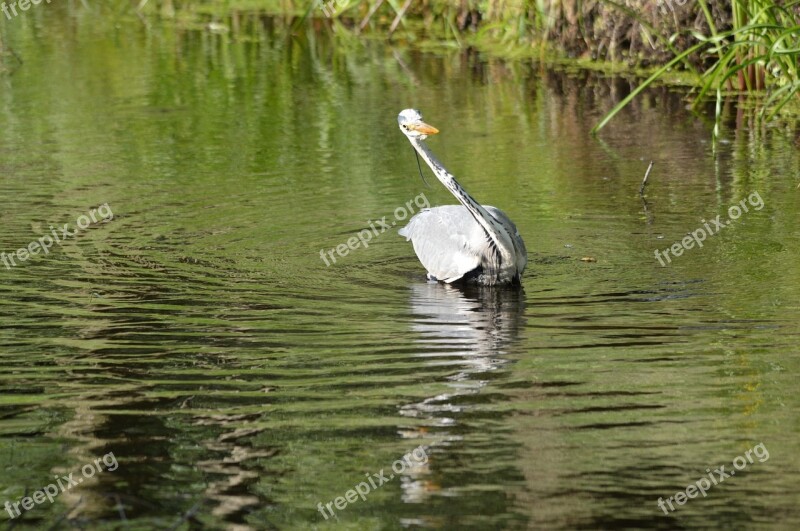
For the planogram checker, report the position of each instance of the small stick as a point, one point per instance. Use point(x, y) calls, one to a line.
point(121, 510)
point(644, 181)
point(189, 515)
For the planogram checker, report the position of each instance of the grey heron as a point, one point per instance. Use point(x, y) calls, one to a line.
point(468, 242)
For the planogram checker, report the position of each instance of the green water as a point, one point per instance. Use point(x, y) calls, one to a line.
point(239, 381)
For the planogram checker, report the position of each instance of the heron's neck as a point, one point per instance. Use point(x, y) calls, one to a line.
point(478, 212)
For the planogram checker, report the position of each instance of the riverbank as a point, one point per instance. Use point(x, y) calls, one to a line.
point(638, 33)
point(742, 47)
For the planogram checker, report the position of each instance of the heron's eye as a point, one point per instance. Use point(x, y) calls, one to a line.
point(405, 127)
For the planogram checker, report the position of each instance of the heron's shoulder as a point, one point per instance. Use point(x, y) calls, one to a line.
point(496, 212)
point(501, 216)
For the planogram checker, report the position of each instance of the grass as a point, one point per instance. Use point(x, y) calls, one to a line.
point(758, 57)
point(746, 47)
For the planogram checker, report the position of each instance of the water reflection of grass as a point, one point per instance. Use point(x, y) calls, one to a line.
point(748, 47)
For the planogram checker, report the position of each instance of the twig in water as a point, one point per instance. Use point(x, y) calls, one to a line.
point(121, 510)
point(187, 516)
point(646, 175)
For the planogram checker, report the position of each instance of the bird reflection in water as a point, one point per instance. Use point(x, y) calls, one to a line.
point(471, 329)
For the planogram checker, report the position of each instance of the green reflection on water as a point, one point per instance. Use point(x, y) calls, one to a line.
point(238, 380)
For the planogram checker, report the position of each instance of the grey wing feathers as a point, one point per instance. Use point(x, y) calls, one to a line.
point(448, 241)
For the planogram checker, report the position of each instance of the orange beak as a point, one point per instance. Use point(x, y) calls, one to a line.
point(424, 128)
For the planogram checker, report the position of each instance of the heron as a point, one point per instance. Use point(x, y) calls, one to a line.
point(468, 243)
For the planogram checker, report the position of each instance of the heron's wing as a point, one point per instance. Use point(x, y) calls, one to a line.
point(448, 241)
point(519, 245)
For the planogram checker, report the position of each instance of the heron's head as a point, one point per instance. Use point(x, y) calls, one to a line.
point(411, 124)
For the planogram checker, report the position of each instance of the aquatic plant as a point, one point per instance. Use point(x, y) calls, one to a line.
point(757, 56)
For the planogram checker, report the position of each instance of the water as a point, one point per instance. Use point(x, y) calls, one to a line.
point(239, 381)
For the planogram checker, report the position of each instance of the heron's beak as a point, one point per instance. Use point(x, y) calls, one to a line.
point(425, 129)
